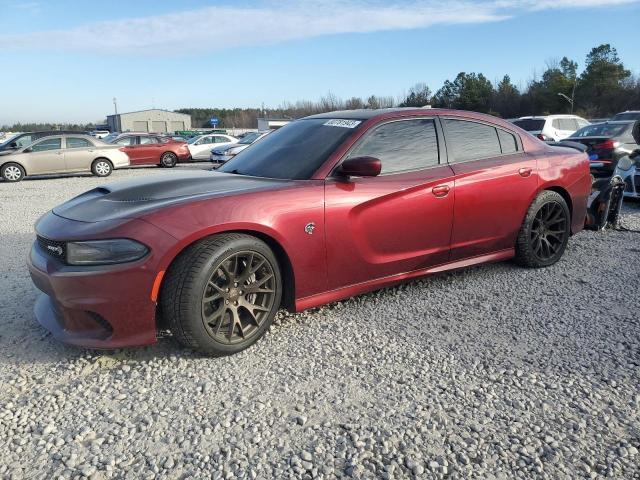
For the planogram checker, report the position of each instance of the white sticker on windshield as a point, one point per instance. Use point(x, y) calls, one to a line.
point(343, 123)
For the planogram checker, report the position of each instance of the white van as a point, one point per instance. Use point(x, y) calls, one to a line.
point(552, 128)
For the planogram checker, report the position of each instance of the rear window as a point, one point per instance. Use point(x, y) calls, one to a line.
point(470, 140)
point(602, 130)
point(627, 116)
point(531, 124)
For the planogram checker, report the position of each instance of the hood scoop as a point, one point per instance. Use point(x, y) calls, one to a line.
point(132, 198)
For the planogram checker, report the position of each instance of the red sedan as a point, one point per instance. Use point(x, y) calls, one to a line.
point(327, 207)
point(147, 149)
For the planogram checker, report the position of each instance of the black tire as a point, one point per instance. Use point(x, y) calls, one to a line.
point(101, 167)
point(545, 231)
point(12, 172)
point(168, 160)
point(195, 321)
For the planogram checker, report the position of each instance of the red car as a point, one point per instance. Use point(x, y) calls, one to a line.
point(148, 149)
point(327, 207)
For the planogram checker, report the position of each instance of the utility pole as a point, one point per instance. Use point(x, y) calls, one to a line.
point(115, 105)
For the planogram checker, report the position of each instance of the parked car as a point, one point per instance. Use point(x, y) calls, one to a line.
point(324, 208)
point(23, 139)
point(200, 147)
point(551, 128)
point(99, 133)
point(149, 149)
point(62, 154)
point(628, 115)
point(607, 143)
point(224, 153)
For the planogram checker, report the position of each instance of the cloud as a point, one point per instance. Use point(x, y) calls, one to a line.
point(222, 27)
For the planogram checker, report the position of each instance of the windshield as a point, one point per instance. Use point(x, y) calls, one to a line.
point(294, 151)
point(601, 130)
point(627, 116)
point(193, 140)
point(249, 138)
point(110, 138)
point(7, 142)
point(530, 124)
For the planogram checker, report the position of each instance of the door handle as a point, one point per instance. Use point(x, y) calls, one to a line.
point(525, 172)
point(440, 190)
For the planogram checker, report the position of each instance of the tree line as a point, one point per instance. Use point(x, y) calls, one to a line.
point(603, 88)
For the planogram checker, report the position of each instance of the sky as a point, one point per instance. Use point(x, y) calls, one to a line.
point(65, 60)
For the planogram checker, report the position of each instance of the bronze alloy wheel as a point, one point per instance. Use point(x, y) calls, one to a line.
point(549, 231)
point(238, 297)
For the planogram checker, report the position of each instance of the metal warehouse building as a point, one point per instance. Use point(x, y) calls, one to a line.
point(154, 120)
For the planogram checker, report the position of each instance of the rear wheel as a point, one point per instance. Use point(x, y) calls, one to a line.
point(544, 234)
point(221, 294)
point(12, 172)
point(168, 160)
point(101, 167)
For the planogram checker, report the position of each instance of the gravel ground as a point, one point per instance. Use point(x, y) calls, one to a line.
point(490, 372)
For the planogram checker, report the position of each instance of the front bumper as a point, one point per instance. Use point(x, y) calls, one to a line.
point(214, 158)
point(96, 308)
point(106, 306)
point(184, 156)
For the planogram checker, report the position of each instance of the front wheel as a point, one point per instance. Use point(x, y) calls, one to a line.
point(12, 172)
point(222, 293)
point(101, 167)
point(545, 231)
point(168, 160)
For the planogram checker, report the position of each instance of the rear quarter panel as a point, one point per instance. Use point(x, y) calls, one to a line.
point(568, 170)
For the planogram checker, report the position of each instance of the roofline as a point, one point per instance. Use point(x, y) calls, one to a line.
point(149, 110)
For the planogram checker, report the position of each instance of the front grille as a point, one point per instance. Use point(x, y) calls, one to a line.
point(52, 247)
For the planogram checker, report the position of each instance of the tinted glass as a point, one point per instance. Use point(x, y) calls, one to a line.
point(471, 141)
point(48, 144)
point(73, 142)
point(294, 151)
point(148, 140)
point(508, 143)
point(401, 146)
point(249, 138)
point(126, 141)
point(220, 140)
point(601, 130)
point(530, 124)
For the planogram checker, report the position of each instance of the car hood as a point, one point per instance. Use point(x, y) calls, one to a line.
point(130, 199)
point(223, 148)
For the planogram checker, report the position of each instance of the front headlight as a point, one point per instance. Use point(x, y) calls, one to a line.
point(105, 252)
point(625, 163)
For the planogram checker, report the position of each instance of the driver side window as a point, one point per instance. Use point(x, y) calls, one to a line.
point(48, 144)
point(401, 145)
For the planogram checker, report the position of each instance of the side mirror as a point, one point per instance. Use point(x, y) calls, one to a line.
point(13, 146)
point(27, 150)
point(360, 167)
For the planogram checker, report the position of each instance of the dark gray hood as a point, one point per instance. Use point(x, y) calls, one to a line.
point(132, 198)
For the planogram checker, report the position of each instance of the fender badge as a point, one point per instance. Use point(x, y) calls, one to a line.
point(308, 228)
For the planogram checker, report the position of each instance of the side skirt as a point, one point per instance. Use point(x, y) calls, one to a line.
point(364, 287)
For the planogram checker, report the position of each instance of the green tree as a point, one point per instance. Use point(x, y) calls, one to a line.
point(419, 96)
point(469, 91)
point(601, 85)
point(506, 99)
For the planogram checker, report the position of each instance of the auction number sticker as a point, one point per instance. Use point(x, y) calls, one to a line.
point(343, 123)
